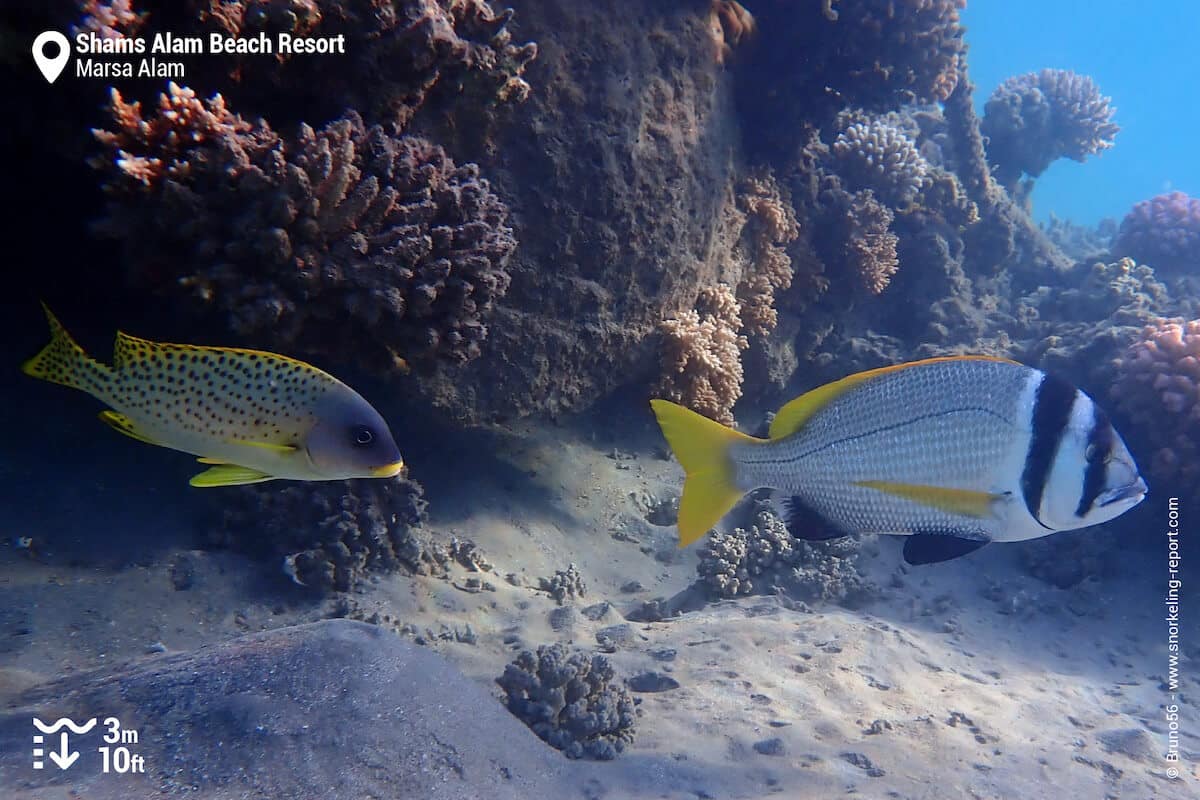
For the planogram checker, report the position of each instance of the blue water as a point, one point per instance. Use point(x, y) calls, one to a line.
point(1143, 55)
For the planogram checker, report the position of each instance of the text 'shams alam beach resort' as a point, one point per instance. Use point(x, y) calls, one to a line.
point(600, 400)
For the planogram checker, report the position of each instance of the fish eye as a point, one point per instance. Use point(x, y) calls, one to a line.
point(362, 435)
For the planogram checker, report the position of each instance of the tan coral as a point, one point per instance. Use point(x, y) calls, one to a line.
point(731, 24)
point(870, 245)
point(770, 227)
point(702, 355)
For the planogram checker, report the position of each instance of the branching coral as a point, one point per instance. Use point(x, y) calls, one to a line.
point(1163, 232)
point(702, 355)
point(399, 55)
point(877, 54)
point(1034, 119)
point(571, 701)
point(765, 557)
point(109, 19)
point(770, 227)
point(880, 157)
point(731, 563)
point(870, 246)
point(1159, 388)
point(731, 24)
point(329, 536)
point(343, 240)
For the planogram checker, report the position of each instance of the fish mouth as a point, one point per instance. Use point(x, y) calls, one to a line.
point(1134, 491)
point(387, 470)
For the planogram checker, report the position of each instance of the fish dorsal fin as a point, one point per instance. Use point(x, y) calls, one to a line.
point(229, 475)
point(122, 424)
point(963, 502)
point(794, 414)
point(130, 350)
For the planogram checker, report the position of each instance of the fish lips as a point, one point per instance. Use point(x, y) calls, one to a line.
point(1134, 492)
point(387, 470)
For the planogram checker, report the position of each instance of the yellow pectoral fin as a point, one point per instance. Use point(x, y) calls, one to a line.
point(122, 423)
point(965, 502)
point(229, 475)
point(794, 414)
point(207, 460)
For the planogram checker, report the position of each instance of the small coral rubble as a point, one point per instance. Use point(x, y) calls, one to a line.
point(1163, 232)
point(345, 240)
point(1036, 118)
point(571, 701)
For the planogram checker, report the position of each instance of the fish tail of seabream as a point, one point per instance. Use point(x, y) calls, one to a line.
point(702, 447)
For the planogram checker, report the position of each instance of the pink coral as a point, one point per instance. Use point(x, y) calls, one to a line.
point(1160, 389)
point(1163, 232)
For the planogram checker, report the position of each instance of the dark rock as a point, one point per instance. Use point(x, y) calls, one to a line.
point(1132, 742)
point(770, 747)
point(652, 682)
point(331, 709)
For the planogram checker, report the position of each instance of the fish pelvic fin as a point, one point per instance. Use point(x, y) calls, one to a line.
point(702, 447)
point(64, 362)
point(964, 502)
point(228, 475)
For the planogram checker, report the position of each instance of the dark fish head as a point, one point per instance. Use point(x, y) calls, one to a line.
point(351, 440)
point(1093, 478)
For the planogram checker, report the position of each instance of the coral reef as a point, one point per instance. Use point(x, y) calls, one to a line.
point(1159, 388)
point(571, 701)
point(769, 227)
point(331, 535)
point(563, 585)
point(1081, 243)
point(1067, 560)
point(878, 156)
point(345, 240)
point(731, 25)
point(109, 19)
point(731, 563)
point(1034, 119)
point(400, 56)
point(765, 557)
point(702, 355)
point(825, 56)
point(860, 225)
point(1163, 232)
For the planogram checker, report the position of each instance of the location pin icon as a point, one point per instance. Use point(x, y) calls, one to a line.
point(51, 67)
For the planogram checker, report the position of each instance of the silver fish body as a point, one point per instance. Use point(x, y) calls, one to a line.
point(954, 452)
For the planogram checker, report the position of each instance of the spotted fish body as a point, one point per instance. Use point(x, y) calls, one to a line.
point(952, 452)
point(253, 415)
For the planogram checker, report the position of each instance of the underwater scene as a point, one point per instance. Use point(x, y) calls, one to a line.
point(599, 399)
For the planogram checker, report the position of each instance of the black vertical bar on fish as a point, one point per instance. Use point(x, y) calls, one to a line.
point(1051, 413)
point(1100, 442)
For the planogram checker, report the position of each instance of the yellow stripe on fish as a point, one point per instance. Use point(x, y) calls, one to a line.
point(253, 415)
point(951, 452)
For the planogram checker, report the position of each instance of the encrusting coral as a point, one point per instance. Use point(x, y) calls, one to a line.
point(344, 240)
point(571, 701)
point(1163, 232)
point(1034, 119)
point(702, 355)
point(1159, 388)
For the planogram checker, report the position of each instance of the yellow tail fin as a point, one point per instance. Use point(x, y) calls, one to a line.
point(702, 447)
point(63, 361)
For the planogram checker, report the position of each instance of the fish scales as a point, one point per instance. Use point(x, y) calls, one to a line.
point(959, 427)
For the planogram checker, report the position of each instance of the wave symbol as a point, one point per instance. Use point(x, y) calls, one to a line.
point(64, 722)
